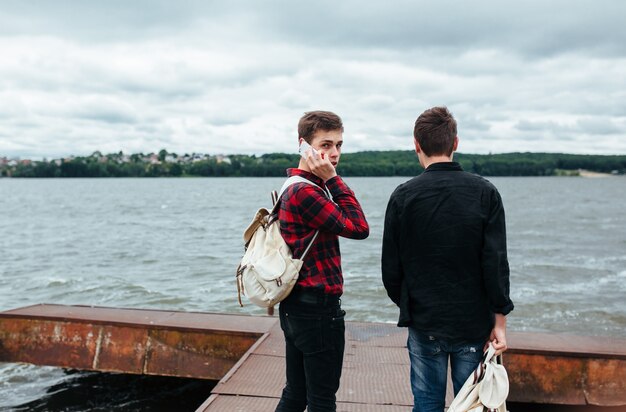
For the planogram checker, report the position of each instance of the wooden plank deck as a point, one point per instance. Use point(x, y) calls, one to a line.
point(375, 373)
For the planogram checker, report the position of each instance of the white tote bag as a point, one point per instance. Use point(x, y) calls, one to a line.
point(486, 389)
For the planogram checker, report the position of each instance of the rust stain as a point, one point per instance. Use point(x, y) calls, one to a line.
point(195, 354)
point(606, 382)
point(138, 350)
point(48, 343)
point(545, 379)
point(122, 349)
point(566, 380)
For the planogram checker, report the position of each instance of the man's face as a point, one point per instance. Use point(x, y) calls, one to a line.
point(329, 143)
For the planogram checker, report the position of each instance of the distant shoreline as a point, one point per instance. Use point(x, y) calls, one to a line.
point(365, 164)
point(564, 174)
point(593, 175)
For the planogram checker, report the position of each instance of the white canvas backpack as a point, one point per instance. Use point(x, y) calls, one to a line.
point(268, 271)
point(486, 389)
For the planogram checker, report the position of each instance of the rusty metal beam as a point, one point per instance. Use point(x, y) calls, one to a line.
point(542, 368)
point(566, 369)
point(197, 346)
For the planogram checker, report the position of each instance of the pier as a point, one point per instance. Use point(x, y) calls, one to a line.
point(245, 354)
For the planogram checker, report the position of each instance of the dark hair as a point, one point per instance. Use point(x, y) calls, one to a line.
point(311, 122)
point(435, 131)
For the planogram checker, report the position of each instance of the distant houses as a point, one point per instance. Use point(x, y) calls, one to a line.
point(120, 158)
point(162, 159)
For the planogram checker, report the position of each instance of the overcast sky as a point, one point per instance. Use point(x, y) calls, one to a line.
point(235, 76)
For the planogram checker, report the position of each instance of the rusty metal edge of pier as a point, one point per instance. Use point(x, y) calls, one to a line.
point(563, 344)
point(257, 327)
point(167, 343)
point(543, 368)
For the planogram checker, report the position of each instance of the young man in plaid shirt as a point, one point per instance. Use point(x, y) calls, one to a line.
point(311, 316)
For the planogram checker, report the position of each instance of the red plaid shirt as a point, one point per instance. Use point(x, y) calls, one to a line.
point(304, 209)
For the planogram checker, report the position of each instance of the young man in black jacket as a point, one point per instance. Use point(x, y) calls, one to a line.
point(444, 263)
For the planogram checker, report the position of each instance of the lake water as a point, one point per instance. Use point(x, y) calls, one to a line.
point(174, 244)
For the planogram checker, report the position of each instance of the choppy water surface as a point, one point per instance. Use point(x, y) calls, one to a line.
point(174, 244)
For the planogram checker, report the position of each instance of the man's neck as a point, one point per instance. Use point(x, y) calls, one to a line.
point(427, 161)
point(304, 166)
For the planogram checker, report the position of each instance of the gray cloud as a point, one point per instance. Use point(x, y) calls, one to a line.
point(601, 126)
point(590, 126)
point(530, 126)
point(532, 27)
point(233, 77)
point(90, 20)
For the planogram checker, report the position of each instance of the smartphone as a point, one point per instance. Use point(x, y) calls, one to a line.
point(304, 146)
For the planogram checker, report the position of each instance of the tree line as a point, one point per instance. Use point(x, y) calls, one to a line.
point(369, 163)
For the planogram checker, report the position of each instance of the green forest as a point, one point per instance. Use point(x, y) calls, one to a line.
point(370, 163)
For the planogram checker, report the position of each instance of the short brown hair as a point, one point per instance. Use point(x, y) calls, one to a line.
point(311, 122)
point(435, 131)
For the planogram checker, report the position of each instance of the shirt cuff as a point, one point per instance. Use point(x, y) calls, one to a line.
point(505, 310)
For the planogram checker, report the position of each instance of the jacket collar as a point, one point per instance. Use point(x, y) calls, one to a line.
point(444, 166)
point(307, 175)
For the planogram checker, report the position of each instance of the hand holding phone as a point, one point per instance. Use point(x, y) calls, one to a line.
point(316, 162)
point(304, 147)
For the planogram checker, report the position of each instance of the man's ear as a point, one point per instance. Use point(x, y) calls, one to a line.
point(456, 143)
point(418, 149)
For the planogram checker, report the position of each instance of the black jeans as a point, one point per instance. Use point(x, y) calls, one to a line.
point(315, 340)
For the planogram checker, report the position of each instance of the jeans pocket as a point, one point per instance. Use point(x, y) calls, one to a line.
point(420, 344)
point(472, 352)
point(334, 337)
point(337, 322)
point(306, 333)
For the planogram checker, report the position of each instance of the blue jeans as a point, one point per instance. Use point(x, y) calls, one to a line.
point(429, 368)
point(315, 340)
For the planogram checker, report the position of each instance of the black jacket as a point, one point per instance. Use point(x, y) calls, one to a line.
point(444, 260)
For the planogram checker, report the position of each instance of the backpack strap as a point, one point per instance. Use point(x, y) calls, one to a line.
point(276, 199)
point(317, 232)
point(290, 181)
